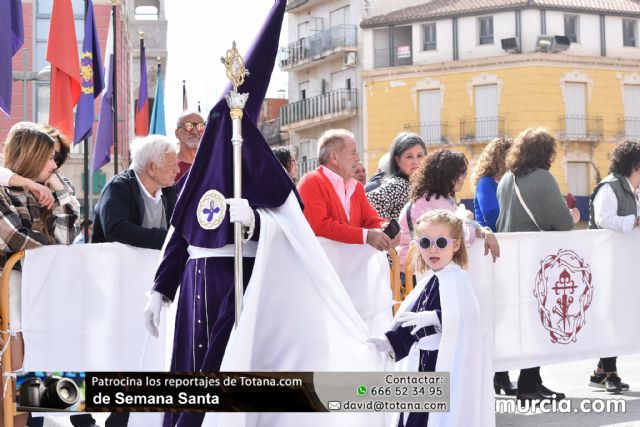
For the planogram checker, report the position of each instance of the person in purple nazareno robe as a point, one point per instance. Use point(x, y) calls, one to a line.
point(198, 254)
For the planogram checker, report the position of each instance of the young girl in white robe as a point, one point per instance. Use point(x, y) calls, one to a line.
point(438, 327)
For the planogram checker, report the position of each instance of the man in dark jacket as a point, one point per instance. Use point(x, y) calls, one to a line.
point(135, 206)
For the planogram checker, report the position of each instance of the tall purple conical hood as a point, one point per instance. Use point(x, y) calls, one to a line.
point(265, 182)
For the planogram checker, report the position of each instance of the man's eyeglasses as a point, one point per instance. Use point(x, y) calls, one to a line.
point(440, 242)
point(188, 126)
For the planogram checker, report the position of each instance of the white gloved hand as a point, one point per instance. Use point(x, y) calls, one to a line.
point(419, 320)
point(240, 211)
point(152, 312)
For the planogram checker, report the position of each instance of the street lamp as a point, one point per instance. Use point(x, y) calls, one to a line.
point(27, 76)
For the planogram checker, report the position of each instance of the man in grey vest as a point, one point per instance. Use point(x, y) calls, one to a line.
point(614, 206)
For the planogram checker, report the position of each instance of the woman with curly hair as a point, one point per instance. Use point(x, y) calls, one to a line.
point(530, 200)
point(613, 205)
point(434, 186)
point(405, 155)
point(486, 175)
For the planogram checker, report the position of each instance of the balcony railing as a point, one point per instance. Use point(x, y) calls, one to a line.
point(383, 58)
point(335, 102)
point(484, 129)
point(430, 132)
point(580, 128)
point(318, 45)
point(306, 165)
point(630, 128)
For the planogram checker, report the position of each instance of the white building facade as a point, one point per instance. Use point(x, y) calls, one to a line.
point(321, 57)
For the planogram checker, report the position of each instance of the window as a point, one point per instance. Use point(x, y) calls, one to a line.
point(571, 27)
point(486, 29)
point(429, 36)
point(339, 17)
point(629, 32)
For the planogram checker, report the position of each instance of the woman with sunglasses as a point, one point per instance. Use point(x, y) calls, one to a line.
point(434, 186)
point(427, 342)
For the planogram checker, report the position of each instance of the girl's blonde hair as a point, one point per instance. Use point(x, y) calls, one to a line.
point(456, 228)
point(27, 149)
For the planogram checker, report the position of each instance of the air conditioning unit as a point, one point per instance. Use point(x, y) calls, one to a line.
point(350, 59)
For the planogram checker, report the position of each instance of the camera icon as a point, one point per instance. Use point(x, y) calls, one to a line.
point(54, 392)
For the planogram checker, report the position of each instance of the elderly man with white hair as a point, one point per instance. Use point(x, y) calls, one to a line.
point(135, 206)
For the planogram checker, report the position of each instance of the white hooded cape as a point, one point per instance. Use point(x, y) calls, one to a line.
point(464, 350)
point(296, 316)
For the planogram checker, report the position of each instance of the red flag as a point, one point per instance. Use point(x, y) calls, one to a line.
point(142, 109)
point(62, 53)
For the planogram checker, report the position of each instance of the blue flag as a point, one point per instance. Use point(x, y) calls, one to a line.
point(157, 126)
point(11, 40)
point(92, 75)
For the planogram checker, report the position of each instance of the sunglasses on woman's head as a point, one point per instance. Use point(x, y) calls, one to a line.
point(440, 242)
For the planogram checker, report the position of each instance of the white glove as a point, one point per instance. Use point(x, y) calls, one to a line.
point(419, 320)
point(383, 345)
point(240, 211)
point(152, 312)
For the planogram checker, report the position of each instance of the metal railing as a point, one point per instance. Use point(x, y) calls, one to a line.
point(580, 128)
point(483, 129)
point(383, 58)
point(306, 165)
point(337, 101)
point(630, 128)
point(318, 45)
point(430, 132)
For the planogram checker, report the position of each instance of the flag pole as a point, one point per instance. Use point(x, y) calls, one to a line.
point(185, 103)
point(85, 178)
point(115, 91)
point(236, 72)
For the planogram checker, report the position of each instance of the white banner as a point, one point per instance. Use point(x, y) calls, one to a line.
point(551, 297)
point(82, 309)
point(556, 297)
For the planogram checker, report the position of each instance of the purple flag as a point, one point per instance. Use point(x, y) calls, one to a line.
point(92, 75)
point(104, 134)
point(11, 40)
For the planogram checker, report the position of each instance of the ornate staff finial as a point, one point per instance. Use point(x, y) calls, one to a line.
point(234, 65)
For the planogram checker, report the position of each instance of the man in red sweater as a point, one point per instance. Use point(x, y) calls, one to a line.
point(335, 204)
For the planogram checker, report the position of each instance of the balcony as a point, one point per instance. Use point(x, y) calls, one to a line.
point(481, 130)
point(331, 106)
point(630, 128)
point(580, 128)
point(430, 132)
point(323, 44)
point(383, 58)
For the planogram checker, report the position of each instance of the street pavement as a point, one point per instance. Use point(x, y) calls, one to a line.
point(573, 379)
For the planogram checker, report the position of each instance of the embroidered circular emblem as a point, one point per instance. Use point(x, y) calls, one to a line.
point(211, 210)
point(564, 292)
